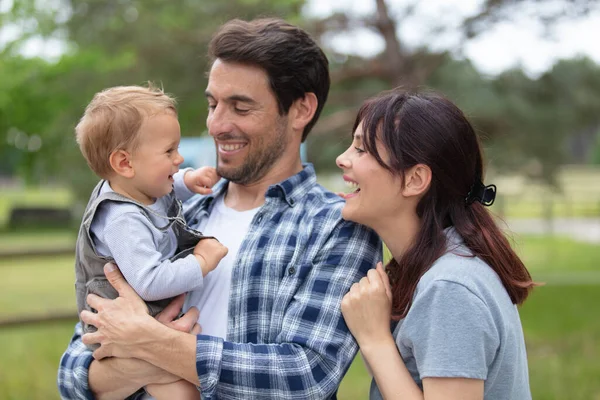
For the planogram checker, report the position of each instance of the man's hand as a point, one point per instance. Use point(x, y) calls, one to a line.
point(123, 323)
point(201, 180)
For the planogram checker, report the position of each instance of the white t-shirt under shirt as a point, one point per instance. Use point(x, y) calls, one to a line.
point(229, 227)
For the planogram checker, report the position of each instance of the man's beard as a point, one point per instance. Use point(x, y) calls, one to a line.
point(257, 163)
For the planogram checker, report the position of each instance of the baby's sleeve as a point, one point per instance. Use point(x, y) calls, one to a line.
point(152, 276)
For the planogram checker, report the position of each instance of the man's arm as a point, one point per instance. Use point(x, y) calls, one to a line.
point(313, 350)
point(307, 359)
point(82, 377)
point(108, 379)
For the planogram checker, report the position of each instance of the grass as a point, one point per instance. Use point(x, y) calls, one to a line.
point(561, 324)
point(37, 286)
point(29, 361)
point(37, 240)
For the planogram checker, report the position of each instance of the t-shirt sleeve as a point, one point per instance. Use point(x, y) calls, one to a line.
point(451, 332)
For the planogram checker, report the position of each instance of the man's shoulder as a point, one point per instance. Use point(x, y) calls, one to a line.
point(324, 208)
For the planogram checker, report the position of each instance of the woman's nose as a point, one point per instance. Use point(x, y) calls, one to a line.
point(342, 161)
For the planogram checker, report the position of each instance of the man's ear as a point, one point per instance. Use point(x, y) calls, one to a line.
point(303, 110)
point(417, 180)
point(120, 162)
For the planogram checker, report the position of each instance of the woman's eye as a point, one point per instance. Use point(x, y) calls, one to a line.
point(358, 149)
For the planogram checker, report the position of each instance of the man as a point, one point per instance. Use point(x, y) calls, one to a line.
point(272, 326)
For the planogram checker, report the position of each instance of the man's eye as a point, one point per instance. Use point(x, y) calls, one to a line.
point(212, 106)
point(241, 110)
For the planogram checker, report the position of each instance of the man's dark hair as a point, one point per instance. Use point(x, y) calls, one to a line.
point(293, 62)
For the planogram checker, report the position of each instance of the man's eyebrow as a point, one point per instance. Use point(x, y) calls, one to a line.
point(233, 98)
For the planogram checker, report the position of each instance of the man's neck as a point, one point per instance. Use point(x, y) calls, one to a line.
point(250, 196)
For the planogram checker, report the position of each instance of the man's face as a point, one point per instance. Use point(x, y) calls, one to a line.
point(244, 120)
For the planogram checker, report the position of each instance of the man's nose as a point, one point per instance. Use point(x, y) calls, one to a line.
point(219, 121)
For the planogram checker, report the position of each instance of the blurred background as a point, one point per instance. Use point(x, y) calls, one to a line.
point(525, 71)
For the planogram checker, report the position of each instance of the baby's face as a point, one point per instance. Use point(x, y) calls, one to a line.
point(156, 157)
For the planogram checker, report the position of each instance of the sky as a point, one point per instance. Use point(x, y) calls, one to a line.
point(517, 43)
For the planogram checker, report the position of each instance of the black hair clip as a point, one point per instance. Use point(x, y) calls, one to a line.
point(481, 193)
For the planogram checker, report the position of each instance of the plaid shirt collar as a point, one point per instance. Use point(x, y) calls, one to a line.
point(290, 190)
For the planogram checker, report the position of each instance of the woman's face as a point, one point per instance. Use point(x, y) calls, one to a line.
point(375, 193)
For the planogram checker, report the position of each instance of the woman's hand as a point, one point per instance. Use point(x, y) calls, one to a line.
point(367, 307)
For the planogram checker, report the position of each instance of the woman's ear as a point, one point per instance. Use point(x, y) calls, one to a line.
point(417, 180)
point(304, 110)
point(120, 162)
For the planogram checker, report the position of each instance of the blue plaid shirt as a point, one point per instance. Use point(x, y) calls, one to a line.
point(286, 336)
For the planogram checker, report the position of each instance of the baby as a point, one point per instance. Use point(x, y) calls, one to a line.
point(130, 136)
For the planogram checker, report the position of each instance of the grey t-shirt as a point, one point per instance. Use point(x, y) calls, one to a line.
point(462, 324)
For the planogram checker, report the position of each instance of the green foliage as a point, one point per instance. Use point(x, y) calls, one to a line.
point(111, 43)
point(524, 122)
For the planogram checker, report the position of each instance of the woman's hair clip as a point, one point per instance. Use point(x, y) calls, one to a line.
point(481, 193)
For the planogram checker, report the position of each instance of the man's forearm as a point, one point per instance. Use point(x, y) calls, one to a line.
point(172, 351)
point(117, 378)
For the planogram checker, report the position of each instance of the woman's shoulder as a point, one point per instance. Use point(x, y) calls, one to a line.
point(459, 266)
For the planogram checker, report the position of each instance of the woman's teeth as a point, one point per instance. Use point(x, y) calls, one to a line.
point(353, 185)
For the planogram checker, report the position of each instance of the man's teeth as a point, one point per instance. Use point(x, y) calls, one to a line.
point(231, 147)
point(352, 185)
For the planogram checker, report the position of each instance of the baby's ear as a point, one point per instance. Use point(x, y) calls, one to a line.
point(120, 162)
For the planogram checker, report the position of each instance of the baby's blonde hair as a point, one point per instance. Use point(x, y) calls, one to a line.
point(113, 119)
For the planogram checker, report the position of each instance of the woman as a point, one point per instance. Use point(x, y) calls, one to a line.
point(416, 165)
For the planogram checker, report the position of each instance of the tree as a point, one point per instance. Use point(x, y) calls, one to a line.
point(511, 111)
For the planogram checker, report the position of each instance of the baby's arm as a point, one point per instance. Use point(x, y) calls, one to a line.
point(181, 389)
point(129, 239)
point(209, 252)
point(200, 180)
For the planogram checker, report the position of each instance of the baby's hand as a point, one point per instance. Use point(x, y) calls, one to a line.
point(211, 251)
point(201, 180)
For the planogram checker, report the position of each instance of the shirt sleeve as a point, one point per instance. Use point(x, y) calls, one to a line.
point(451, 332)
point(181, 191)
point(130, 241)
point(308, 358)
point(72, 379)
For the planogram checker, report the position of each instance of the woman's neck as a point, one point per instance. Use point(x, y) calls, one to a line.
point(399, 233)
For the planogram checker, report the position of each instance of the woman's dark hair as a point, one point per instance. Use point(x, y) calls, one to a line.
point(428, 129)
point(293, 61)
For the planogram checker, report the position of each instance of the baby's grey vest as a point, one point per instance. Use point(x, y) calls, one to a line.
point(89, 265)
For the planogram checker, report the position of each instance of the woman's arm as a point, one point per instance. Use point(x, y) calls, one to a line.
point(393, 379)
point(366, 309)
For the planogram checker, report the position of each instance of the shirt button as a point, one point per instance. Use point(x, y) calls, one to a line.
point(292, 202)
point(291, 270)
